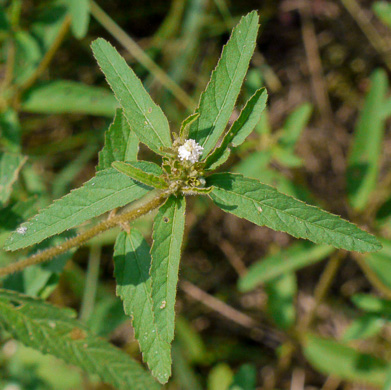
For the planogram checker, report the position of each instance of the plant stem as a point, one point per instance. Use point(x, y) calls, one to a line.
point(81, 238)
point(92, 279)
point(321, 290)
point(135, 50)
point(375, 39)
point(48, 56)
point(372, 276)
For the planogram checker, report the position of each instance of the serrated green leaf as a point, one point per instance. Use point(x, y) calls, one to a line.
point(287, 260)
point(80, 14)
point(255, 166)
point(10, 166)
point(138, 174)
point(382, 10)
point(294, 125)
point(341, 361)
point(69, 97)
point(121, 144)
point(218, 100)
point(145, 118)
point(364, 156)
point(52, 330)
point(265, 206)
point(167, 236)
point(242, 127)
point(109, 189)
point(281, 293)
point(132, 261)
point(184, 131)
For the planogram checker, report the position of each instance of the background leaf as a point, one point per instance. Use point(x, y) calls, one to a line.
point(284, 261)
point(364, 156)
point(132, 262)
point(69, 97)
point(168, 231)
point(53, 330)
point(10, 166)
point(332, 358)
point(145, 118)
point(80, 14)
point(218, 100)
point(121, 144)
point(265, 206)
point(107, 190)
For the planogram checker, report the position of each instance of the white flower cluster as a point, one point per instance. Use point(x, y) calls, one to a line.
point(190, 151)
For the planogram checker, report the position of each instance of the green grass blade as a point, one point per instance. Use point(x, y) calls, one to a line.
point(145, 118)
point(218, 100)
point(132, 261)
point(364, 156)
point(107, 190)
point(121, 144)
point(287, 260)
point(295, 124)
point(242, 127)
point(138, 174)
point(10, 166)
point(54, 330)
point(265, 206)
point(168, 230)
point(80, 14)
point(69, 97)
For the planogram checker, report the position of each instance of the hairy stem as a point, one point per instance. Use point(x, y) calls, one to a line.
point(81, 238)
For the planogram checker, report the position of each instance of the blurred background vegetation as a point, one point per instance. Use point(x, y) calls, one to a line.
point(255, 308)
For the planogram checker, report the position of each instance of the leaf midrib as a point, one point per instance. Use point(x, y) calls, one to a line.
point(134, 100)
point(227, 93)
point(293, 216)
point(77, 212)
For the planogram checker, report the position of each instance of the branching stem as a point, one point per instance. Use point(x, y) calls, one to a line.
point(82, 238)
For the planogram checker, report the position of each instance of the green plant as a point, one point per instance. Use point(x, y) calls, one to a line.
point(147, 277)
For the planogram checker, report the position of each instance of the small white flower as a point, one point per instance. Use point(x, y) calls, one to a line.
point(190, 151)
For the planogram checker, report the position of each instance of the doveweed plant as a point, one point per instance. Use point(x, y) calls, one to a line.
point(147, 277)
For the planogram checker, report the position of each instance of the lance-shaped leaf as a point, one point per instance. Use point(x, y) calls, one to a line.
point(145, 118)
point(168, 230)
point(109, 189)
point(218, 100)
point(132, 261)
point(283, 262)
point(185, 126)
point(10, 165)
point(130, 169)
point(121, 144)
point(341, 361)
point(80, 14)
point(242, 127)
point(265, 206)
point(54, 330)
point(365, 153)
